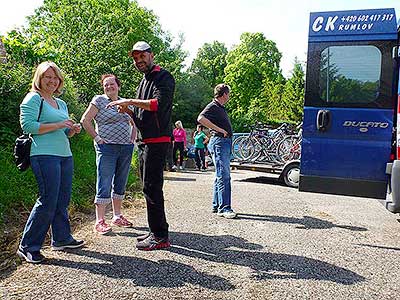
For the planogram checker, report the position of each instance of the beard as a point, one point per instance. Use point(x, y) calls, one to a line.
point(143, 67)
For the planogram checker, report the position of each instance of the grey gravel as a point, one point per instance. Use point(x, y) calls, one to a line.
point(283, 245)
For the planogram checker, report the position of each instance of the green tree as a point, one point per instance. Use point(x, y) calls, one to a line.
point(293, 94)
point(191, 96)
point(210, 63)
point(274, 107)
point(249, 64)
point(88, 38)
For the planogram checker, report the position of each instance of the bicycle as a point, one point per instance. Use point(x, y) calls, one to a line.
point(290, 147)
point(262, 143)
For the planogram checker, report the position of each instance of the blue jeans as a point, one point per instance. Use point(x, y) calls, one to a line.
point(113, 163)
point(220, 150)
point(54, 177)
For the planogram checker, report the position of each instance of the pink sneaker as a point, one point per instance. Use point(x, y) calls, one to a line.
point(122, 222)
point(102, 227)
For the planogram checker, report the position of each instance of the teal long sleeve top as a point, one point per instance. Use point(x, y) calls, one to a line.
point(51, 143)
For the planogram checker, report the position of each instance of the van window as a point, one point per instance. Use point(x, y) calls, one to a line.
point(350, 74)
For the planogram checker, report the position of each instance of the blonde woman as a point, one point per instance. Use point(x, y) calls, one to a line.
point(179, 144)
point(51, 162)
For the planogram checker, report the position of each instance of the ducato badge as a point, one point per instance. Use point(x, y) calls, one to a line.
point(363, 126)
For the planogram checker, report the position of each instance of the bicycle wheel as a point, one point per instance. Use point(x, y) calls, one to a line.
point(236, 147)
point(246, 149)
point(288, 149)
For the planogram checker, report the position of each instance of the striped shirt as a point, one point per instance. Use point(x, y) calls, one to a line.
point(112, 126)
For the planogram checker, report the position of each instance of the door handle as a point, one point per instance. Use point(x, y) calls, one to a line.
point(323, 120)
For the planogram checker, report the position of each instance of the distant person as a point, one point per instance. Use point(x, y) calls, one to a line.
point(152, 116)
point(200, 141)
point(215, 117)
point(113, 142)
point(179, 144)
point(51, 162)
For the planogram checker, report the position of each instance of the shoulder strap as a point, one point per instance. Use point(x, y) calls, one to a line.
point(40, 108)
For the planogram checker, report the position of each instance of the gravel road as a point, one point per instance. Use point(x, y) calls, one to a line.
point(283, 245)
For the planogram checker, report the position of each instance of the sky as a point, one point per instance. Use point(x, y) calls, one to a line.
point(284, 21)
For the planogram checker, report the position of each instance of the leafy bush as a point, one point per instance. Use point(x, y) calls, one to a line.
point(14, 83)
point(17, 189)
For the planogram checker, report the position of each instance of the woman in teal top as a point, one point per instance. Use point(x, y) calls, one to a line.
point(200, 141)
point(51, 162)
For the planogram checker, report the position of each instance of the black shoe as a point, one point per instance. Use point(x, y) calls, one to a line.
point(34, 257)
point(153, 243)
point(214, 210)
point(71, 245)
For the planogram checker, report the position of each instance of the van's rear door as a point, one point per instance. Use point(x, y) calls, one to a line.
point(349, 100)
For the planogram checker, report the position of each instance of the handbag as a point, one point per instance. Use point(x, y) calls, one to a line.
point(22, 148)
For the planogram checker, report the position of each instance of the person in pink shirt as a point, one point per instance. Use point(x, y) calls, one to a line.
point(179, 144)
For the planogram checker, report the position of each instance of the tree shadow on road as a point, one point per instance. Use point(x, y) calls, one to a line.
point(305, 222)
point(224, 250)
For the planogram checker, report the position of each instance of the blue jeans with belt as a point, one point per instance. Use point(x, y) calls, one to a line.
point(54, 178)
point(220, 150)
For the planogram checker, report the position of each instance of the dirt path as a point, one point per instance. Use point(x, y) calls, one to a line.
point(284, 245)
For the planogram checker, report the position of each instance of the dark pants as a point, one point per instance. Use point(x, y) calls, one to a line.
point(178, 146)
point(151, 166)
point(200, 158)
point(168, 159)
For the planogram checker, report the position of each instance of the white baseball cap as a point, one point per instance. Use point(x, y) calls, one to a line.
point(140, 46)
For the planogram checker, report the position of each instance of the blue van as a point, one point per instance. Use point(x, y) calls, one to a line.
point(350, 105)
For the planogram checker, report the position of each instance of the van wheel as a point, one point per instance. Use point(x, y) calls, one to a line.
point(291, 174)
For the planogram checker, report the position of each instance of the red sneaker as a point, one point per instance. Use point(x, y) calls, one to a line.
point(153, 243)
point(102, 227)
point(122, 222)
